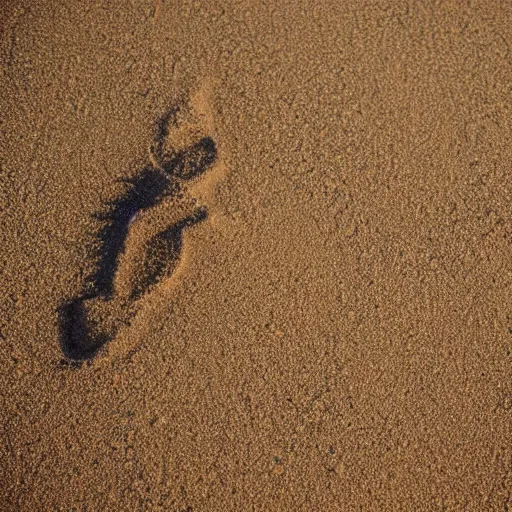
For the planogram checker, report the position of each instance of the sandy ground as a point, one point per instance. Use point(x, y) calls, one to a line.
point(337, 333)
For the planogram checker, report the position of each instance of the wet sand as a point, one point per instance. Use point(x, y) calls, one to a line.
point(332, 332)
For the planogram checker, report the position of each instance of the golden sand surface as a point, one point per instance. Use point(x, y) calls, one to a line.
point(316, 315)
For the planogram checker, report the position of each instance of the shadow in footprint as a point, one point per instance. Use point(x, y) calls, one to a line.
point(84, 323)
point(79, 342)
point(195, 161)
point(162, 255)
point(147, 190)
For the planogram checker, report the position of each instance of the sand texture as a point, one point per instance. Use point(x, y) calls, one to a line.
point(256, 256)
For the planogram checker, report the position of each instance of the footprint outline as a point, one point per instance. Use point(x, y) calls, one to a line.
point(81, 339)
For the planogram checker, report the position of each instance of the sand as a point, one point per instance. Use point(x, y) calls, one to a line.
point(334, 334)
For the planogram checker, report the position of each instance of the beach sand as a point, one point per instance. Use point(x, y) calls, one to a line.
point(335, 334)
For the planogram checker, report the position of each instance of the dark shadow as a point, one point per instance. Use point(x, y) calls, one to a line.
point(79, 341)
point(162, 130)
point(193, 161)
point(147, 190)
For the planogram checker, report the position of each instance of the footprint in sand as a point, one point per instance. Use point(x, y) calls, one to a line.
point(133, 259)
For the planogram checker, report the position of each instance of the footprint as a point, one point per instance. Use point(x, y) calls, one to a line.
point(128, 270)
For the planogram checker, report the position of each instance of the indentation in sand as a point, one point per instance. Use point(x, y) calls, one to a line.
point(141, 238)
